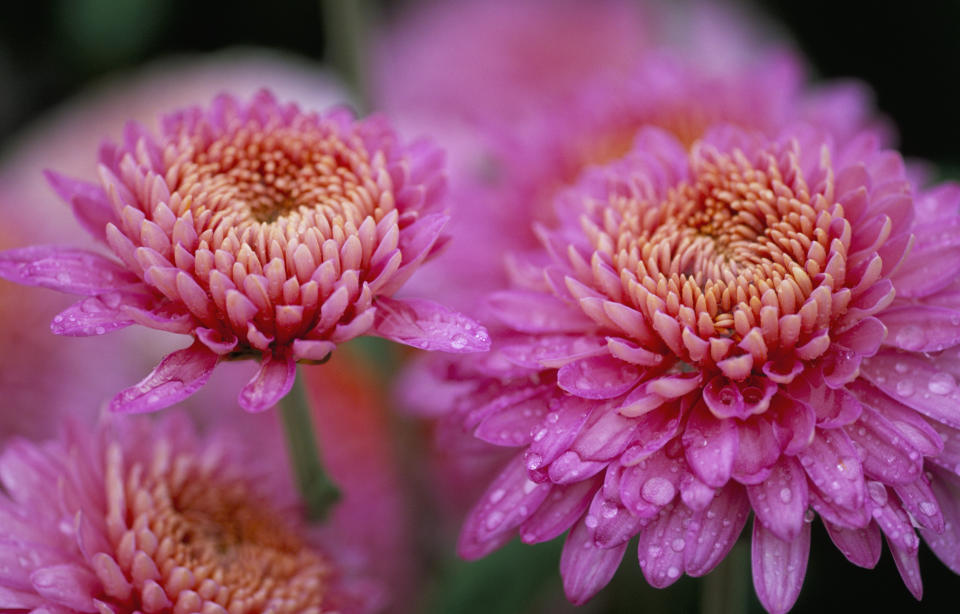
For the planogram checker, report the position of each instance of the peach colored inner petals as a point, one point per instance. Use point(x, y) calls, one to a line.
point(191, 542)
point(259, 185)
point(740, 254)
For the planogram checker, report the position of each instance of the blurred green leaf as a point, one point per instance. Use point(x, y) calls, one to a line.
point(508, 581)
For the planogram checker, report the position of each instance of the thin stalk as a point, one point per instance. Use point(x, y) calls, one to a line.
point(317, 489)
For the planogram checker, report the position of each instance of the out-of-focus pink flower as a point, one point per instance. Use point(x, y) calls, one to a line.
point(259, 229)
point(143, 516)
point(733, 327)
point(481, 59)
point(40, 374)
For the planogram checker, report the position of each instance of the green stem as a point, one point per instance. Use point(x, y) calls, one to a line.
point(345, 27)
point(726, 589)
point(317, 489)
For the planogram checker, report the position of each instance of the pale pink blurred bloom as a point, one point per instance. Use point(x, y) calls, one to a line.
point(41, 374)
point(138, 515)
point(482, 59)
point(738, 326)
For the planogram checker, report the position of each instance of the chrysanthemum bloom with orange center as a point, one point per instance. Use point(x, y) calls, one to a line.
point(753, 324)
point(258, 229)
point(147, 517)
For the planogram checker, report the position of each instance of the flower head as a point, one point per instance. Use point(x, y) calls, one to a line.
point(148, 517)
point(501, 57)
point(738, 326)
point(259, 229)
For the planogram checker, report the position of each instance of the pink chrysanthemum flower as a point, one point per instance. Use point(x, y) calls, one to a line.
point(258, 229)
point(145, 517)
point(501, 57)
point(751, 324)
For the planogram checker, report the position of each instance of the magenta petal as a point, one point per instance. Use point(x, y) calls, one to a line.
point(757, 450)
point(428, 326)
point(920, 328)
point(908, 564)
point(552, 351)
point(178, 376)
point(271, 383)
point(66, 269)
point(562, 507)
point(926, 388)
point(862, 547)
point(558, 430)
point(920, 501)
point(610, 523)
point(946, 545)
point(89, 202)
point(597, 377)
point(710, 445)
point(68, 585)
point(537, 312)
point(781, 500)
point(570, 467)
point(884, 454)
point(514, 425)
point(715, 530)
point(778, 567)
point(585, 567)
point(833, 464)
point(932, 264)
point(91, 316)
point(509, 501)
point(415, 244)
point(661, 544)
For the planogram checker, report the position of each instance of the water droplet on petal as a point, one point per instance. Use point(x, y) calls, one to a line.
point(497, 495)
point(942, 383)
point(904, 387)
point(785, 495)
point(910, 338)
point(678, 544)
point(928, 508)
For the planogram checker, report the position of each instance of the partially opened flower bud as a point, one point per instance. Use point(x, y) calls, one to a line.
point(262, 231)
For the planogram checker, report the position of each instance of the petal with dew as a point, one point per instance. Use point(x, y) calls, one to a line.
point(178, 376)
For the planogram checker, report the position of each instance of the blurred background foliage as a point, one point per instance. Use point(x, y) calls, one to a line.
point(908, 52)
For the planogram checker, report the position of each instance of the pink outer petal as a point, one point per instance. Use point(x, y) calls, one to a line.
point(933, 263)
point(597, 377)
point(428, 326)
point(710, 445)
point(926, 388)
point(862, 547)
point(509, 501)
point(415, 243)
point(715, 530)
point(778, 567)
point(781, 500)
point(946, 545)
point(832, 463)
point(536, 312)
point(920, 328)
point(562, 507)
point(586, 568)
point(178, 376)
point(88, 201)
point(66, 269)
point(91, 316)
point(68, 585)
point(661, 544)
point(271, 383)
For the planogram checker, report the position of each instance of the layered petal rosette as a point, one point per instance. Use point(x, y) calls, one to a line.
point(259, 229)
point(139, 517)
point(751, 324)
